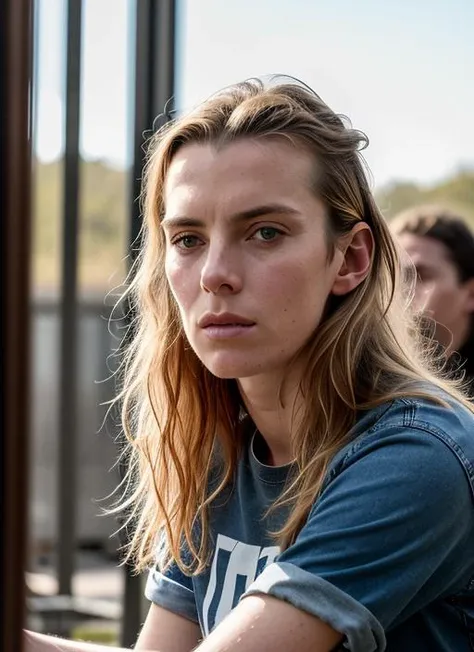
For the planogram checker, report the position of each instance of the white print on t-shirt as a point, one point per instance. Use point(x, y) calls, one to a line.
point(242, 564)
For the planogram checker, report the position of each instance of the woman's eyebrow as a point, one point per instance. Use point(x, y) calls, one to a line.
point(241, 216)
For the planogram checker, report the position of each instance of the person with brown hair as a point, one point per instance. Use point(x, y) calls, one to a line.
point(440, 245)
point(300, 476)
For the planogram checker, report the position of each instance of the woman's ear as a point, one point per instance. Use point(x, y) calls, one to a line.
point(357, 248)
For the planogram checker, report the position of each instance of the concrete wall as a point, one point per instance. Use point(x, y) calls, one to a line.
point(96, 450)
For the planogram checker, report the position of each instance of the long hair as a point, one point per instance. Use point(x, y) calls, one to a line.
point(181, 420)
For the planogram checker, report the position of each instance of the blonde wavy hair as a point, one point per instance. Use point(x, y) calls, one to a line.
point(179, 419)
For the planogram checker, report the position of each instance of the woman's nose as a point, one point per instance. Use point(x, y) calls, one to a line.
point(221, 271)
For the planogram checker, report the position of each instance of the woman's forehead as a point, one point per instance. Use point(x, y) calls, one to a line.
point(244, 173)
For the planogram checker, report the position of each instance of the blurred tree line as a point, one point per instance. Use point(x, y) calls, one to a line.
point(455, 192)
point(104, 209)
point(104, 200)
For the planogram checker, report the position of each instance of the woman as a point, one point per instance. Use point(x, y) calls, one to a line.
point(440, 245)
point(300, 477)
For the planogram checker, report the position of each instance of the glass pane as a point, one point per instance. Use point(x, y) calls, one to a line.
point(47, 191)
point(106, 112)
point(48, 144)
point(106, 148)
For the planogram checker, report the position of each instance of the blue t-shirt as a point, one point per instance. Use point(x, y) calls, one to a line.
point(386, 556)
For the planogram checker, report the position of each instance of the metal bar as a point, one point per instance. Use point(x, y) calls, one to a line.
point(68, 367)
point(143, 81)
point(15, 194)
point(154, 86)
point(164, 58)
point(131, 617)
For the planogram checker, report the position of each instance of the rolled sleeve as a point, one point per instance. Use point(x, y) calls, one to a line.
point(173, 591)
point(362, 631)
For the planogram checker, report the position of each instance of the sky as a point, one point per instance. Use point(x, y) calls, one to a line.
point(401, 71)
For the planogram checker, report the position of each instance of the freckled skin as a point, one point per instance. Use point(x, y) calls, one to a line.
point(271, 269)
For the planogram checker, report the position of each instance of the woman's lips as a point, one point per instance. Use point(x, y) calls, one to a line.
point(224, 331)
point(225, 325)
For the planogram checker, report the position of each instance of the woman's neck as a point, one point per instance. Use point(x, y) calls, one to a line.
point(273, 412)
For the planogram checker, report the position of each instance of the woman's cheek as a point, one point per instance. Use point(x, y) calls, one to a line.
point(181, 282)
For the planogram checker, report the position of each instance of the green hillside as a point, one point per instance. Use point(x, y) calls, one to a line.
point(456, 193)
point(104, 210)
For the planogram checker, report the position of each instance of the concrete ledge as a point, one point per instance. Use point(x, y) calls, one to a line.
point(68, 605)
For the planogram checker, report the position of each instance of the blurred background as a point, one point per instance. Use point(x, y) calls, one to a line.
point(103, 71)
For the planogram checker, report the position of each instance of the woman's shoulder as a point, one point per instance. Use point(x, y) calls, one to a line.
point(429, 409)
point(433, 422)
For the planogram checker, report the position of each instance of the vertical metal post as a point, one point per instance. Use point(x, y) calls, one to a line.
point(154, 86)
point(15, 195)
point(68, 368)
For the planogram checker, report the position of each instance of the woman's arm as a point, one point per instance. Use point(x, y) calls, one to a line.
point(266, 624)
point(34, 642)
point(163, 631)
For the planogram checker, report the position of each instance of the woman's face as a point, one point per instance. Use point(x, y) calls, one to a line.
point(246, 253)
point(439, 292)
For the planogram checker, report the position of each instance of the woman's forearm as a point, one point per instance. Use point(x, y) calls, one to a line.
point(34, 642)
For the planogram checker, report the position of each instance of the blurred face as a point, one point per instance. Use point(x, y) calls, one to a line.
point(246, 253)
point(439, 292)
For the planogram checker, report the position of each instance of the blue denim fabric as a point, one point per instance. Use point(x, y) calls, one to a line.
point(387, 553)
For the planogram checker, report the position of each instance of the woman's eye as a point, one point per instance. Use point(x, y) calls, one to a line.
point(267, 233)
point(186, 241)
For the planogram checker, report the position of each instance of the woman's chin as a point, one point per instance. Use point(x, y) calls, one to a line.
point(226, 367)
